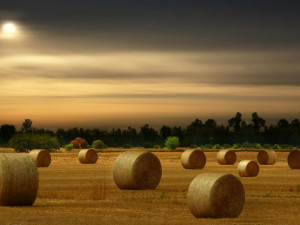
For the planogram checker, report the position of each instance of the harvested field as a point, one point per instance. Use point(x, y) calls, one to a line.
point(75, 193)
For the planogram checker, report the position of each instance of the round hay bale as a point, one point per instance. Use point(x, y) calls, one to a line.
point(216, 195)
point(137, 170)
point(41, 157)
point(19, 179)
point(193, 159)
point(294, 159)
point(88, 156)
point(226, 157)
point(248, 168)
point(266, 157)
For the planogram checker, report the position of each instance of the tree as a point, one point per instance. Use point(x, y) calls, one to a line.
point(79, 143)
point(235, 122)
point(172, 142)
point(258, 122)
point(22, 142)
point(26, 126)
point(210, 123)
point(282, 123)
point(6, 132)
point(165, 132)
point(98, 144)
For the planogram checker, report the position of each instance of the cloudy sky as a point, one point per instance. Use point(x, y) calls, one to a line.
point(112, 63)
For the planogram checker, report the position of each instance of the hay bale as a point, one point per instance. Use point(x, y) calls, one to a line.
point(216, 195)
point(294, 159)
point(88, 156)
point(137, 170)
point(193, 159)
point(41, 157)
point(226, 157)
point(248, 168)
point(266, 157)
point(19, 179)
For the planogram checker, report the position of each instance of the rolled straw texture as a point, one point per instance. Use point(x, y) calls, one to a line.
point(19, 179)
point(88, 156)
point(41, 157)
point(137, 170)
point(226, 157)
point(294, 159)
point(248, 168)
point(216, 195)
point(193, 159)
point(266, 157)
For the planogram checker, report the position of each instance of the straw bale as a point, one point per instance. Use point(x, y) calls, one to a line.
point(226, 157)
point(248, 168)
point(216, 195)
point(294, 159)
point(18, 178)
point(266, 157)
point(41, 157)
point(137, 170)
point(88, 156)
point(193, 159)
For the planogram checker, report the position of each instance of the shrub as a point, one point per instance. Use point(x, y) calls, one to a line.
point(127, 145)
point(276, 146)
point(193, 146)
point(68, 147)
point(298, 146)
point(22, 142)
point(267, 146)
point(217, 146)
point(79, 143)
point(148, 144)
point(284, 146)
point(208, 146)
point(246, 145)
point(257, 146)
point(98, 144)
point(172, 142)
point(226, 146)
point(236, 146)
point(157, 146)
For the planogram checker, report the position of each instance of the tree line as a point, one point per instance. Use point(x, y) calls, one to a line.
point(196, 134)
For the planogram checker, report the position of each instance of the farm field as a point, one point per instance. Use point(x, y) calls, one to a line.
point(74, 193)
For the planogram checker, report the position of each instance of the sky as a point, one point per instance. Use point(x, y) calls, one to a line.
point(117, 63)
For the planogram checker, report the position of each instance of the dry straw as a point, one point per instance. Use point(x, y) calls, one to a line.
point(226, 157)
point(19, 179)
point(137, 170)
point(248, 168)
point(266, 157)
point(294, 159)
point(216, 195)
point(88, 156)
point(41, 157)
point(193, 159)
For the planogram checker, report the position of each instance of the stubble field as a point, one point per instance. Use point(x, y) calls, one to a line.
point(74, 193)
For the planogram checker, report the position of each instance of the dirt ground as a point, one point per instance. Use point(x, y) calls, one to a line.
point(74, 193)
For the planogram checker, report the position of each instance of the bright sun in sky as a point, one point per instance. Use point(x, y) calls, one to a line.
point(9, 29)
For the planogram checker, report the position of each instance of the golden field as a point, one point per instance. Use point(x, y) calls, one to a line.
point(74, 193)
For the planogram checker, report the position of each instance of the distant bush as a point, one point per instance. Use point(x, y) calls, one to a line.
point(98, 144)
point(257, 146)
point(276, 146)
point(298, 146)
point(267, 146)
point(247, 145)
point(172, 142)
point(68, 147)
point(157, 146)
point(236, 146)
point(193, 146)
point(127, 145)
point(148, 144)
point(208, 146)
point(79, 143)
point(285, 146)
point(217, 146)
point(226, 146)
point(22, 142)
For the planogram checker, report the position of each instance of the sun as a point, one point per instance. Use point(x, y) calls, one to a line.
point(9, 29)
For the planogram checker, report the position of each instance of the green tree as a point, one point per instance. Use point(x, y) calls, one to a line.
point(98, 144)
point(172, 142)
point(26, 126)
